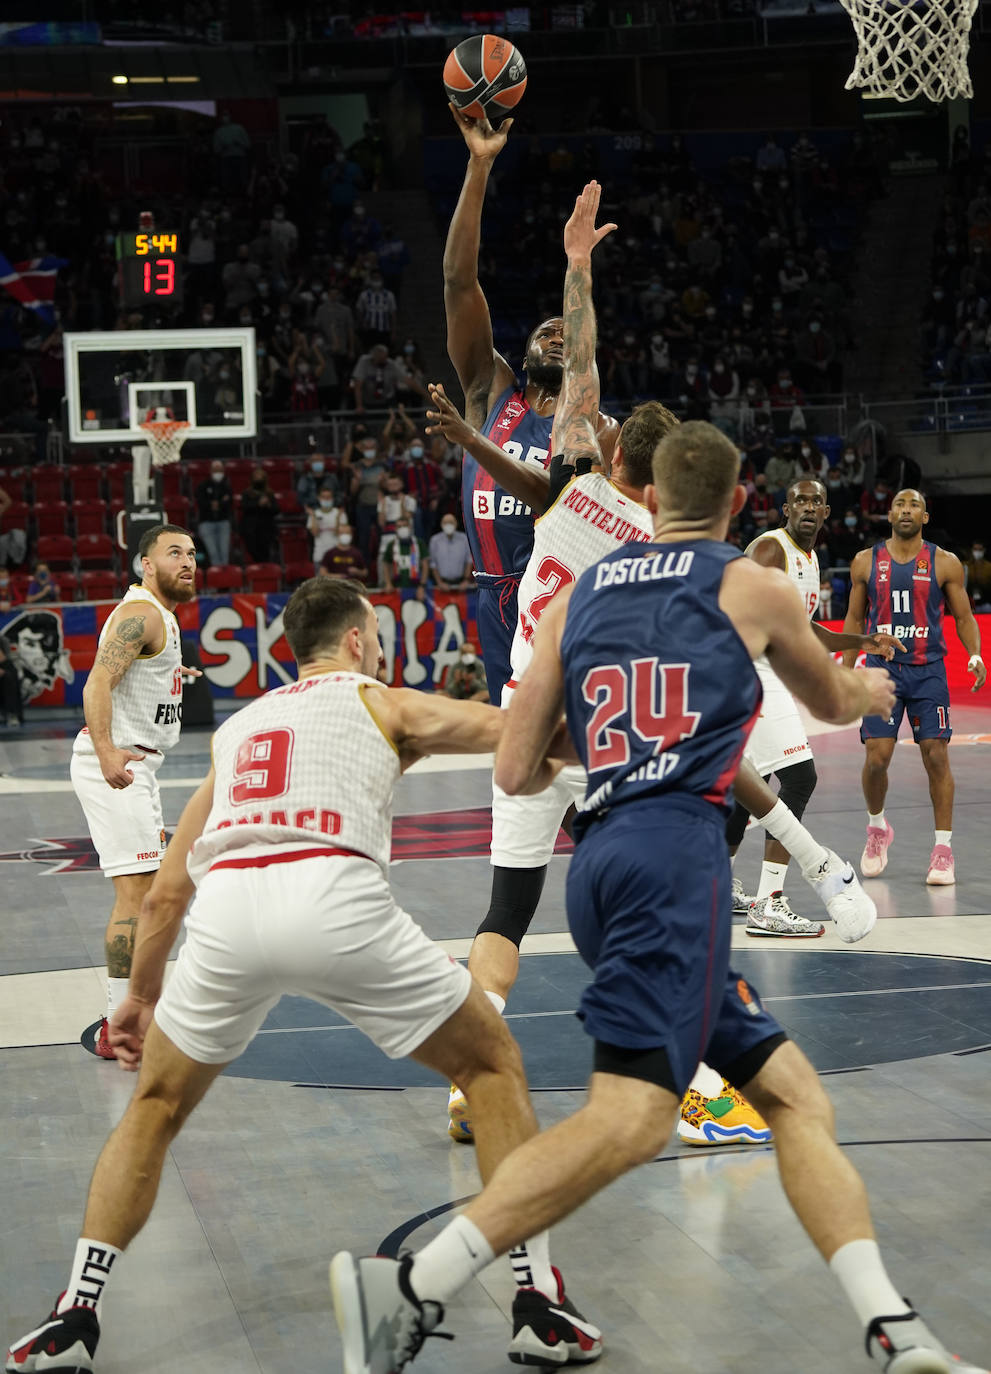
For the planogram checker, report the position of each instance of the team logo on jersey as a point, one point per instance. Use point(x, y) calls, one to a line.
point(511, 412)
point(882, 574)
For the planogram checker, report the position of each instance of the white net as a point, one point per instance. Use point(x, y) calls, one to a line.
point(165, 439)
point(912, 48)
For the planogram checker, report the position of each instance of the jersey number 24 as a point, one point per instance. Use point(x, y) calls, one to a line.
point(656, 697)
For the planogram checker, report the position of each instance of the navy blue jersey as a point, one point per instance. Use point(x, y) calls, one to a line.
point(660, 691)
point(905, 600)
point(500, 528)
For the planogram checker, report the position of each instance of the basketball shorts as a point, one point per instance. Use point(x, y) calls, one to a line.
point(125, 824)
point(325, 927)
point(495, 616)
point(778, 739)
point(649, 909)
point(525, 829)
point(921, 693)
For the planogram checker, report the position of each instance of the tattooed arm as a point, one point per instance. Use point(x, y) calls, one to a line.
point(577, 414)
point(132, 630)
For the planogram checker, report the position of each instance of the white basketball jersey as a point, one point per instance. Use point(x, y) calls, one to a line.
point(803, 572)
point(304, 766)
point(147, 702)
point(589, 519)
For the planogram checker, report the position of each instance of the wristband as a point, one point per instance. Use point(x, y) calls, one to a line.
point(973, 662)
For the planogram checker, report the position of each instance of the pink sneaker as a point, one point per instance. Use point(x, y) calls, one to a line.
point(874, 859)
point(941, 867)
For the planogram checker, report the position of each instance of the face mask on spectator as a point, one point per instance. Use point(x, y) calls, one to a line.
point(344, 539)
point(326, 503)
point(467, 659)
point(806, 451)
point(814, 327)
point(850, 521)
point(402, 531)
point(416, 451)
point(449, 528)
point(317, 465)
point(720, 367)
point(367, 455)
point(409, 348)
point(978, 552)
point(217, 474)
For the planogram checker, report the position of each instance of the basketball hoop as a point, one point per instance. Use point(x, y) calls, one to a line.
point(165, 439)
point(908, 48)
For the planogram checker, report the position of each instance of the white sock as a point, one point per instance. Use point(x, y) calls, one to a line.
point(772, 878)
point(707, 1082)
point(498, 1002)
point(788, 830)
point(531, 1263)
point(944, 837)
point(878, 820)
point(90, 1271)
point(116, 992)
point(450, 1260)
point(862, 1276)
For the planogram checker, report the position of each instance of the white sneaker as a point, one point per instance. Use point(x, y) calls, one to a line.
point(382, 1321)
point(837, 887)
point(905, 1345)
point(773, 916)
point(741, 902)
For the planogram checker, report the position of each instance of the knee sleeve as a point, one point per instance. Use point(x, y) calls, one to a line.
point(736, 825)
point(515, 894)
point(798, 782)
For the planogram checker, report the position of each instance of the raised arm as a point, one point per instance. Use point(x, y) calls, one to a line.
point(522, 480)
point(134, 629)
point(481, 371)
point(949, 570)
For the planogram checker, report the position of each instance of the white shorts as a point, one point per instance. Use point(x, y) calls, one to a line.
point(524, 829)
point(125, 824)
point(778, 739)
point(325, 927)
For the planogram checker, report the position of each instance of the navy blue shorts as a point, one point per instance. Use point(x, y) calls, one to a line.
point(650, 913)
point(921, 693)
point(496, 615)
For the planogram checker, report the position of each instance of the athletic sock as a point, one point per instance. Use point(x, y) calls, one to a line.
point(498, 1002)
point(445, 1264)
point(788, 830)
point(90, 1271)
point(116, 992)
point(531, 1263)
point(944, 837)
point(877, 821)
point(706, 1081)
point(772, 878)
point(861, 1274)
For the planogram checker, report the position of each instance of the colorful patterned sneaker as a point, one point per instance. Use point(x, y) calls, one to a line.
point(741, 902)
point(458, 1121)
point(382, 1322)
point(874, 859)
point(551, 1333)
point(905, 1345)
point(850, 909)
point(941, 867)
point(727, 1119)
point(64, 1344)
point(772, 916)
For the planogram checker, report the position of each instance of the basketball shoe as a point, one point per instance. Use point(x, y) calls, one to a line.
point(102, 1047)
point(905, 1345)
point(64, 1344)
point(772, 916)
point(874, 859)
point(741, 902)
point(727, 1119)
point(458, 1122)
point(382, 1322)
point(551, 1333)
point(941, 867)
point(850, 909)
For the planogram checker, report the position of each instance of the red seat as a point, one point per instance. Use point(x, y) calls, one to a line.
point(263, 577)
point(15, 517)
point(295, 573)
point(95, 551)
point(90, 517)
point(224, 578)
point(56, 550)
point(281, 475)
point(289, 504)
point(294, 545)
point(67, 585)
point(48, 484)
point(98, 585)
point(51, 517)
point(173, 483)
point(85, 482)
point(238, 472)
point(118, 482)
point(19, 587)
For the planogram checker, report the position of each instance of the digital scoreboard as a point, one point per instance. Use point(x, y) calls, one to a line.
point(149, 270)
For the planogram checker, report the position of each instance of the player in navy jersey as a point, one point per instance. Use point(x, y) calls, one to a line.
point(901, 587)
point(651, 652)
point(499, 524)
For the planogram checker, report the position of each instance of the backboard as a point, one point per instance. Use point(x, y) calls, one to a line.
point(204, 376)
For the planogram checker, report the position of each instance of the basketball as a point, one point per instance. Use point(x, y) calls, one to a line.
point(485, 76)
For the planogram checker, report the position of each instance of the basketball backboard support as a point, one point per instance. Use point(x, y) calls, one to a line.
point(204, 376)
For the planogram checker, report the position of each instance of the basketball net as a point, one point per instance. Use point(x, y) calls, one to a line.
point(165, 439)
point(908, 48)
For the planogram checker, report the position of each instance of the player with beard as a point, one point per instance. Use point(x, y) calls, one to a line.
point(498, 523)
point(902, 587)
point(132, 702)
point(778, 743)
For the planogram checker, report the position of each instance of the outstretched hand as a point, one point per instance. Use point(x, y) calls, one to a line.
point(481, 138)
point(445, 418)
point(580, 233)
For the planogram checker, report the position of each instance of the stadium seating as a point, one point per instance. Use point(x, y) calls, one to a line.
point(85, 482)
point(57, 550)
point(90, 517)
point(48, 484)
point(263, 577)
point(224, 578)
point(295, 573)
point(51, 517)
point(95, 551)
point(99, 585)
point(294, 545)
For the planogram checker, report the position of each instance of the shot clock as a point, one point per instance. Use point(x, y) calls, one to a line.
point(149, 270)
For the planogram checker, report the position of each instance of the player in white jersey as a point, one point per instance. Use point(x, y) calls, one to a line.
point(778, 743)
point(288, 842)
point(132, 703)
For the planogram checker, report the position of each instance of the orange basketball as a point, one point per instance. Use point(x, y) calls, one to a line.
point(485, 76)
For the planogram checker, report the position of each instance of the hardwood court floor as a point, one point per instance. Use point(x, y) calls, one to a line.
point(314, 1141)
